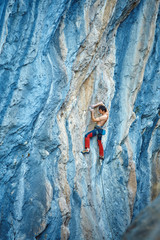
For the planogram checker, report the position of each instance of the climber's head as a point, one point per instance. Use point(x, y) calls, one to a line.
point(102, 109)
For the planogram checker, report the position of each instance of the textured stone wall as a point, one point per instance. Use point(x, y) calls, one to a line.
point(146, 224)
point(56, 58)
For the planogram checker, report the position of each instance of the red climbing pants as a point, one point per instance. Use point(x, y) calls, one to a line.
point(99, 139)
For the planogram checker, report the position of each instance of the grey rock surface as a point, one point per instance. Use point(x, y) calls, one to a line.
point(57, 58)
point(146, 225)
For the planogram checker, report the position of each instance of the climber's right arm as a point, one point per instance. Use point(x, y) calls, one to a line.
point(97, 105)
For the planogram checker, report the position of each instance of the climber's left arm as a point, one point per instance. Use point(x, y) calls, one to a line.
point(97, 105)
point(93, 117)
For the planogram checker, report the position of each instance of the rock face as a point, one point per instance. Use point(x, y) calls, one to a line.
point(146, 225)
point(56, 58)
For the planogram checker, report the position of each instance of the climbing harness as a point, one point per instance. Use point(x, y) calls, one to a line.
point(100, 130)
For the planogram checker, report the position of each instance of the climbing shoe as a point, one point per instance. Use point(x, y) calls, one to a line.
point(85, 151)
point(101, 157)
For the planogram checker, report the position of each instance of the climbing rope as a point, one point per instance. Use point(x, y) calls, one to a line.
point(106, 207)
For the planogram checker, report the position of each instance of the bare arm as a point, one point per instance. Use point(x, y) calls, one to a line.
point(92, 116)
point(97, 105)
point(98, 119)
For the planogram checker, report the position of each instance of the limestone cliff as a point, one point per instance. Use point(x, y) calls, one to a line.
point(146, 225)
point(57, 58)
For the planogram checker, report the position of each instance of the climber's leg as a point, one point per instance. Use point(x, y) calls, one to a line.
point(87, 140)
point(101, 151)
point(88, 136)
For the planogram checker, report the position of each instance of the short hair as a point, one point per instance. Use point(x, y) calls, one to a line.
point(103, 108)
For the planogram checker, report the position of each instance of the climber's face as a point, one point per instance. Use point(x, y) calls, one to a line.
point(100, 111)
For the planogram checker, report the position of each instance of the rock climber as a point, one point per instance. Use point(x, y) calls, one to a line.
point(98, 130)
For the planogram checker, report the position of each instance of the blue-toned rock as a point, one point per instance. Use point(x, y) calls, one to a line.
point(56, 59)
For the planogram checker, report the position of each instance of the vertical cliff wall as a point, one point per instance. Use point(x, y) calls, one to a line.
point(146, 224)
point(56, 58)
